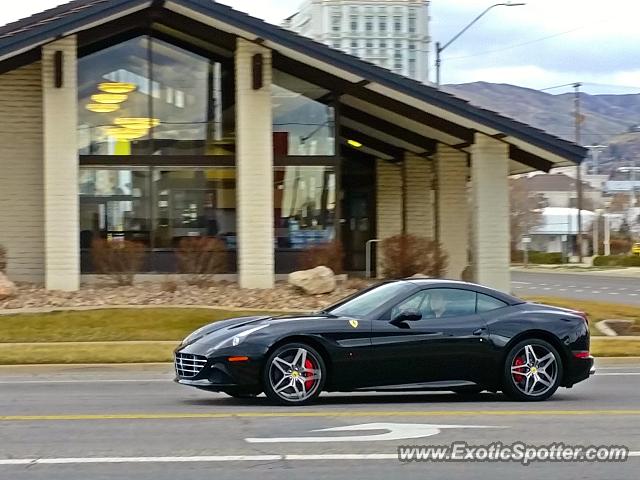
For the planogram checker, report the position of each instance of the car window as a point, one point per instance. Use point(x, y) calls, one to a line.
point(439, 303)
point(487, 303)
point(368, 301)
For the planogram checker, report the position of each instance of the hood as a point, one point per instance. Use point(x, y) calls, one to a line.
point(222, 328)
point(217, 332)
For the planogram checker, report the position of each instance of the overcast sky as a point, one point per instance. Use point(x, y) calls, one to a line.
point(543, 44)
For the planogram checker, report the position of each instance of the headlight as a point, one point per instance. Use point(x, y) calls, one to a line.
point(239, 338)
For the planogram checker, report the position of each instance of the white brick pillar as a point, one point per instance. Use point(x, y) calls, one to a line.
point(489, 175)
point(419, 176)
point(388, 201)
point(254, 169)
point(61, 216)
point(453, 208)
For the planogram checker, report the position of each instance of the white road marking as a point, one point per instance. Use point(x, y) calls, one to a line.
point(395, 431)
point(521, 283)
point(618, 374)
point(213, 458)
point(562, 289)
point(547, 288)
point(595, 292)
point(632, 294)
point(613, 293)
point(579, 291)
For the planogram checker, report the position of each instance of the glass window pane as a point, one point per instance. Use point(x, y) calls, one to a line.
point(302, 124)
point(187, 101)
point(369, 301)
point(114, 83)
point(448, 302)
point(194, 203)
point(305, 203)
point(487, 303)
point(114, 204)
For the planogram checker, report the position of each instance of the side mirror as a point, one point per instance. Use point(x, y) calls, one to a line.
point(407, 316)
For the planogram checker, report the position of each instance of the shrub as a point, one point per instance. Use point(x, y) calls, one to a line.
point(120, 260)
point(545, 258)
point(406, 255)
point(3, 259)
point(620, 246)
point(329, 254)
point(199, 258)
point(616, 261)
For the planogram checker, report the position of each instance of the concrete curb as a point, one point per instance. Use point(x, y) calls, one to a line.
point(19, 311)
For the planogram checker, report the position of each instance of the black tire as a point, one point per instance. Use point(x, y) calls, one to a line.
point(521, 390)
point(273, 373)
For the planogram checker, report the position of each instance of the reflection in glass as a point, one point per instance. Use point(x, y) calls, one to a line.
point(302, 123)
point(194, 203)
point(305, 202)
point(98, 109)
point(114, 204)
point(146, 96)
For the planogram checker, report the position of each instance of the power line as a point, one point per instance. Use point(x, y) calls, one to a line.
point(517, 45)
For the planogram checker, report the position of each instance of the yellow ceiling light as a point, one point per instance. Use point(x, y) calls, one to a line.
point(142, 122)
point(102, 107)
point(354, 143)
point(117, 87)
point(109, 98)
point(121, 133)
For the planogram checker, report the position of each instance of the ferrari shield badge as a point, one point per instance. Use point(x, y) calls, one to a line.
point(353, 323)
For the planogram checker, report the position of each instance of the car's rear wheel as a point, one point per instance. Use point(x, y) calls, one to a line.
point(532, 370)
point(294, 374)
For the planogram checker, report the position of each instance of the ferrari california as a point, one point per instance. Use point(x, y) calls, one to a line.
point(401, 335)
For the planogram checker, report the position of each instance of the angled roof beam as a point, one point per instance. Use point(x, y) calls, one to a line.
point(376, 123)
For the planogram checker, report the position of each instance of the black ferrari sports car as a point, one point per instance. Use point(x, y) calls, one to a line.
point(402, 335)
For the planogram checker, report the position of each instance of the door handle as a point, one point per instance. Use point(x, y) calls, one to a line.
point(479, 331)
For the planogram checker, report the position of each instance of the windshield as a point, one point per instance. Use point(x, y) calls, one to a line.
point(367, 301)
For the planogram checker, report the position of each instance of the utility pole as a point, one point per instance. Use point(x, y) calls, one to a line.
point(578, 120)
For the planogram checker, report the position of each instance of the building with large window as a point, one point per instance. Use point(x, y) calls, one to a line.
point(154, 121)
point(393, 34)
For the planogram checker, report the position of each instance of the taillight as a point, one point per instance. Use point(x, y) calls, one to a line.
point(581, 354)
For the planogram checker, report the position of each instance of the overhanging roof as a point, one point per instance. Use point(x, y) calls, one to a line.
point(366, 88)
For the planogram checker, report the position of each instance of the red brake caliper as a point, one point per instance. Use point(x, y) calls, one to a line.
point(516, 376)
point(308, 364)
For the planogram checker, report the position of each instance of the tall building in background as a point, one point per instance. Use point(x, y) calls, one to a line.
point(393, 34)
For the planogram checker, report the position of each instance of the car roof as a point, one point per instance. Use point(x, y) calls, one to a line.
point(443, 282)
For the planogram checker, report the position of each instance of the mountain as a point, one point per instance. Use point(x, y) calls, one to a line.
point(612, 120)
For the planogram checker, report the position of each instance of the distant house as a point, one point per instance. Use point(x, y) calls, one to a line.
point(560, 190)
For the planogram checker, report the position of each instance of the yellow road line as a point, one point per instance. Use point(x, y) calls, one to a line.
point(425, 413)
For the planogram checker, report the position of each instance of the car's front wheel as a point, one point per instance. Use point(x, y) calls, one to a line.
point(294, 374)
point(532, 370)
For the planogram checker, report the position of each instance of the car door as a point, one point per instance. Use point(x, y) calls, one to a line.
point(449, 342)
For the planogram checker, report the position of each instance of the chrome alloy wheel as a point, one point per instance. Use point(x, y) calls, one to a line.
point(295, 374)
point(534, 370)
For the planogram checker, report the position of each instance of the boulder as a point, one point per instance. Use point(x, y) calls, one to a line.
point(7, 287)
point(315, 281)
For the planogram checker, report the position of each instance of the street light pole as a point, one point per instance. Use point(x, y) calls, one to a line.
point(440, 48)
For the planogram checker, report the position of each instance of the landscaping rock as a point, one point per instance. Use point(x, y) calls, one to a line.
point(316, 281)
point(216, 294)
point(7, 287)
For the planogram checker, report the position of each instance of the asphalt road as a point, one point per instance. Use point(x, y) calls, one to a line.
point(143, 426)
point(625, 290)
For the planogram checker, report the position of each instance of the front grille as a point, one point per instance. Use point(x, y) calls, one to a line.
point(188, 366)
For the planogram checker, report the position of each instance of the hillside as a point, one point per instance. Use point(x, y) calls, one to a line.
point(609, 119)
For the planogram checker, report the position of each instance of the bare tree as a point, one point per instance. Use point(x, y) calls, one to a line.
point(526, 209)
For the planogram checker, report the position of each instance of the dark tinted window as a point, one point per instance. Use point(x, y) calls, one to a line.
point(439, 303)
point(487, 303)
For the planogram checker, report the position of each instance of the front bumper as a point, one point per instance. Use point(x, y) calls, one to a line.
point(218, 373)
